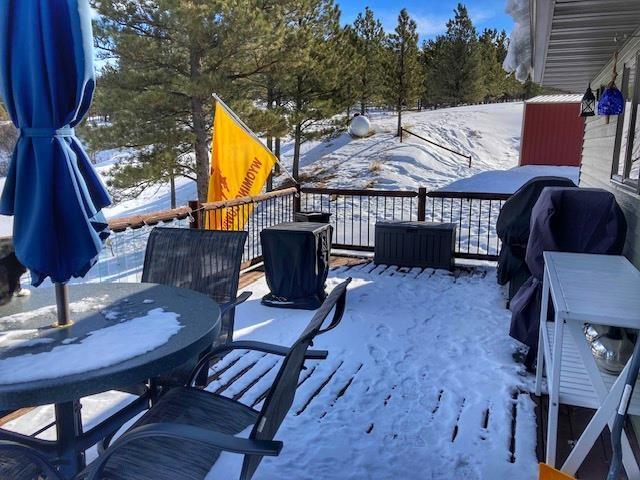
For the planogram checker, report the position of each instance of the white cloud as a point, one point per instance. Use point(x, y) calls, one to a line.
point(428, 25)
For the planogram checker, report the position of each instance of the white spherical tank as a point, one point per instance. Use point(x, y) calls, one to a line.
point(360, 126)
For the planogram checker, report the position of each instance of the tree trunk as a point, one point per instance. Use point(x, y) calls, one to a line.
point(172, 183)
point(199, 120)
point(296, 152)
point(270, 178)
point(399, 134)
point(201, 148)
point(277, 154)
point(363, 107)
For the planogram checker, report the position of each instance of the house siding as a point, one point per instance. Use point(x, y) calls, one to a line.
point(597, 155)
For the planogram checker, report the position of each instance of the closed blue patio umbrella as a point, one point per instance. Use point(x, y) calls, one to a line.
point(53, 192)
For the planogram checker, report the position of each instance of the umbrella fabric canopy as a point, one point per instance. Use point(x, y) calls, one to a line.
point(52, 190)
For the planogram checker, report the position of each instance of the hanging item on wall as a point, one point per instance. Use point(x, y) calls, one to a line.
point(611, 101)
point(588, 103)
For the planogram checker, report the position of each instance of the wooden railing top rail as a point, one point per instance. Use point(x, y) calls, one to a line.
point(245, 200)
point(138, 221)
point(359, 193)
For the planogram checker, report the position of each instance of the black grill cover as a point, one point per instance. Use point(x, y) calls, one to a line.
point(513, 223)
point(296, 263)
point(578, 220)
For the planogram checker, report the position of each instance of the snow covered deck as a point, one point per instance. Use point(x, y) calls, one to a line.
point(420, 378)
point(421, 382)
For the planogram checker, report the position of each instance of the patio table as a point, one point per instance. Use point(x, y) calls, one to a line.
point(122, 335)
point(585, 288)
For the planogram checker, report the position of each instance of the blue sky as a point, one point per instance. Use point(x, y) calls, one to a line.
point(430, 15)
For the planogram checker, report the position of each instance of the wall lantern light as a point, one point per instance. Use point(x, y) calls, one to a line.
point(588, 104)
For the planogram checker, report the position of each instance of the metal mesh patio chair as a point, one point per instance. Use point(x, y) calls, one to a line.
point(206, 261)
point(183, 435)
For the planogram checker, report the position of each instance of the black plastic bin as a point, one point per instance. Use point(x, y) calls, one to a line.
point(415, 244)
point(296, 264)
point(316, 217)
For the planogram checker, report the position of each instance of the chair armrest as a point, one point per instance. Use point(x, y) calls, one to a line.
point(243, 297)
point(219, 440)
point(277, 349)
point(340, 305)
point(36, 457)
point(253, 346)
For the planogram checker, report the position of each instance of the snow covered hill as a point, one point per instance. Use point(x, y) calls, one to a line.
point(489, 133)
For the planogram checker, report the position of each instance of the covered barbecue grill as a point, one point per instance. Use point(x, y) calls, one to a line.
point(513, 230)
point(578, 220)
point(296, 263)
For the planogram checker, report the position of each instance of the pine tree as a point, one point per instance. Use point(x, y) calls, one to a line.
point(460, 71)
point(493, 75)
point(431, 57)
point(404, 74)
point(311, 86)
point(369, 59)
point(165, 58)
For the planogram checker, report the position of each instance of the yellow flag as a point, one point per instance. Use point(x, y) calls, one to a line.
point(240, 166)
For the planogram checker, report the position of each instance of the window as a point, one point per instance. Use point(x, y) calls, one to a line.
point(626, 161)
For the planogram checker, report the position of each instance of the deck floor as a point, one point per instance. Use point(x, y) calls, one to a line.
point(366, 395)
point(421, 413)
point(572, 420)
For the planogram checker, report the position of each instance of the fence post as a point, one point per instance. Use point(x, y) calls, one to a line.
point(194, 205)
point(296, 200)
point(422, 204)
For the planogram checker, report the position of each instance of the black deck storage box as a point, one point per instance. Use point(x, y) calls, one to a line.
point(415, 244)
point(296, 263)
point(317, 217)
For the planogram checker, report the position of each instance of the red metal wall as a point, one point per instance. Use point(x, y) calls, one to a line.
point(552, 134)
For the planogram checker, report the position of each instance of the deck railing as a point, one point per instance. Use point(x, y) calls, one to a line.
point(354, 214)
point(123, 255)
point(475, 215)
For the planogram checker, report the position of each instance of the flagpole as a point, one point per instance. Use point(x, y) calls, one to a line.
point(250, 132)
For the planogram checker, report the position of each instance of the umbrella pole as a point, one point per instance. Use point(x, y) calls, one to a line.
point(62, 302)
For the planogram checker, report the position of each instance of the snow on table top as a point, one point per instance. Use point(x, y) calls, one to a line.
point(100, 348)
point(508, 181)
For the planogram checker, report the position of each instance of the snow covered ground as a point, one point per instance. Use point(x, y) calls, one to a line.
point(508, 181)
point(420, 382)
point(489, 133)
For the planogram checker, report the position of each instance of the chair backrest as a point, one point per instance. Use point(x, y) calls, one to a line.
point(282, 392)
point(207, 261)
